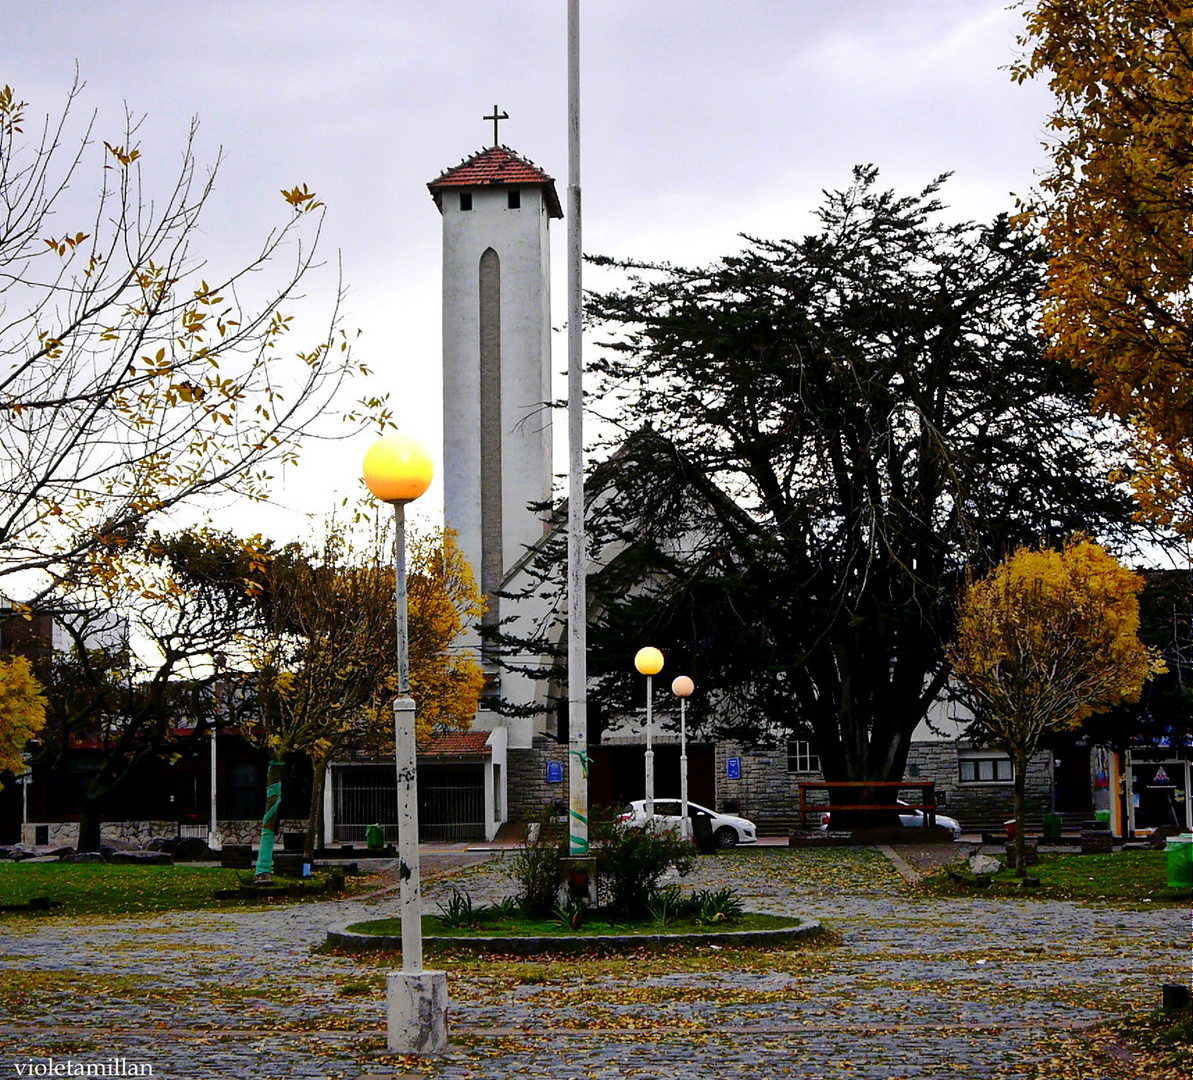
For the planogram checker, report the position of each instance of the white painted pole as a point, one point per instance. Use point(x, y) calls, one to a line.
point(577, 578)
point(213, 833)
point(649, 752)
point(397, 470)
point(406, 753)
point(215, 840)
point(685, 827)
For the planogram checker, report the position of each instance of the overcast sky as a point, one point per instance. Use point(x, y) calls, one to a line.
point(701, 120)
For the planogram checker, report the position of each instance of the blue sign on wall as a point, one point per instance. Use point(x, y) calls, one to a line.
point(733, 768)
point(554, 772)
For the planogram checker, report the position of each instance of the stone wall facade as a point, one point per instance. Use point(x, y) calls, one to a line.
point(531, 789)
point(978, 804)
point(765, 790)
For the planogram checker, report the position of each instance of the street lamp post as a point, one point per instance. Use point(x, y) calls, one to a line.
point(682, 688)
point(397, 470)
point(649, 662)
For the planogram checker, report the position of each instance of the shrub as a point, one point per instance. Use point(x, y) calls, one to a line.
point(535, 869)
point(458, 911)
point(631, 862)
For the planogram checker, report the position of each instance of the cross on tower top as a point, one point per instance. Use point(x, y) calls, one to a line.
point(496, 117)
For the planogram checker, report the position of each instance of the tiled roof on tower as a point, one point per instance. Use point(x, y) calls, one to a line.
point(498, 165)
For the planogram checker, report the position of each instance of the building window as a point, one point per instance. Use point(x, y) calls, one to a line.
point(515, 198)
point(800, 757)
point(465, 200)
point(985, 769)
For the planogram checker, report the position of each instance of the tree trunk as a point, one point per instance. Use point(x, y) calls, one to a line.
point(89, 826)
point(315, 817)
point(1020, 761)
point(270, 821)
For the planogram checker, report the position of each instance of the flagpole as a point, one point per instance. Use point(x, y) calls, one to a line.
point(577, 606)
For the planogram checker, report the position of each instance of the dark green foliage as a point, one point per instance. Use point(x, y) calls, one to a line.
point(458, 912)
point(704, 905)
point(570, 912)
point(536, 870)
point(1165, 708)
point(814, 439)
point(630, 863)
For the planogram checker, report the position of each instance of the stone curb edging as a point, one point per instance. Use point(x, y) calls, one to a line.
point(341, 937)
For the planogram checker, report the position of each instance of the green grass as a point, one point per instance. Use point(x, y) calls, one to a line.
point(98, 889)
point(1120, 877)
point(1164, 1039)
point(520, 926)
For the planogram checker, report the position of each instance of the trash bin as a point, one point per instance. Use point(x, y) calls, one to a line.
point(375, 837)
point(702, 835)
point(1102, 817)
point(1180, 861)
point(1052, 826)
point(1010, 827)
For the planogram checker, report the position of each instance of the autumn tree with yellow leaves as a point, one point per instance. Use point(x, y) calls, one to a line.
point(325, 661)
point(22, 711)
point(134, 375)
point(1117, 212)
point(1046, 639)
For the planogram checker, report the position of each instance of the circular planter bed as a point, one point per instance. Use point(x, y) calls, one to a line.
point(356, 937)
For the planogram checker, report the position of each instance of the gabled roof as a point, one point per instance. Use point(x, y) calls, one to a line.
point(498, 165)
point(456, 743)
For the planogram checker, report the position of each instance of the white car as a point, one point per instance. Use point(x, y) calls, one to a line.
point(728, 830)
point(912, 818)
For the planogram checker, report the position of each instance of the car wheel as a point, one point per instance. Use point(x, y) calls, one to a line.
point(725, 837)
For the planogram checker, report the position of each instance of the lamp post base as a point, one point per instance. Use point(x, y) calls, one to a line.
point(416, 1011)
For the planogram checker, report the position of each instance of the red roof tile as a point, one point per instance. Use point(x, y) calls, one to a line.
point(455, 742)
point(498, 165)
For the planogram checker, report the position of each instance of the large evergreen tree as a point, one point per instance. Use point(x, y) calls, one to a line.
point(812, 440)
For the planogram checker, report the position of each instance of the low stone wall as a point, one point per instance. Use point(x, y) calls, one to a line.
point(138, 834)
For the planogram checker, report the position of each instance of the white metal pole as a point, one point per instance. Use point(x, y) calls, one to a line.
point(685, 827)
point(649, 753)
point(406, 753)
point(213, 834)
point(577, 583)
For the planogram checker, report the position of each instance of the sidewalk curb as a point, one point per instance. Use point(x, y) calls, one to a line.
point(908, 872)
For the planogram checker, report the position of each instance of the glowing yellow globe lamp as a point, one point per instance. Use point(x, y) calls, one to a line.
point(648, 661)
point(682, 687)
point(397, 469)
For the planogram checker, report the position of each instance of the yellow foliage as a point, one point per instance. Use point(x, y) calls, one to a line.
point(22, 710)
point(1118, 216)
point(1048, 638)
point(442, 595)
point(328, 668)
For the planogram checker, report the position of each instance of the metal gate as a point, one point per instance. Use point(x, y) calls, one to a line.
point(451, 802)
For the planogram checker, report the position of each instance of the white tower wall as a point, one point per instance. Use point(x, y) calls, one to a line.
point(497, 438)
point(521, 241)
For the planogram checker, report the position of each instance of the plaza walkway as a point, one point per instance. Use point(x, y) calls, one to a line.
point(916, 987)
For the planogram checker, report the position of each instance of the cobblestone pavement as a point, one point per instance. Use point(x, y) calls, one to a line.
point(917, 987)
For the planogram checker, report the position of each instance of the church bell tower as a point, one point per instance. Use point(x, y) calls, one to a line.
point(497, 208)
